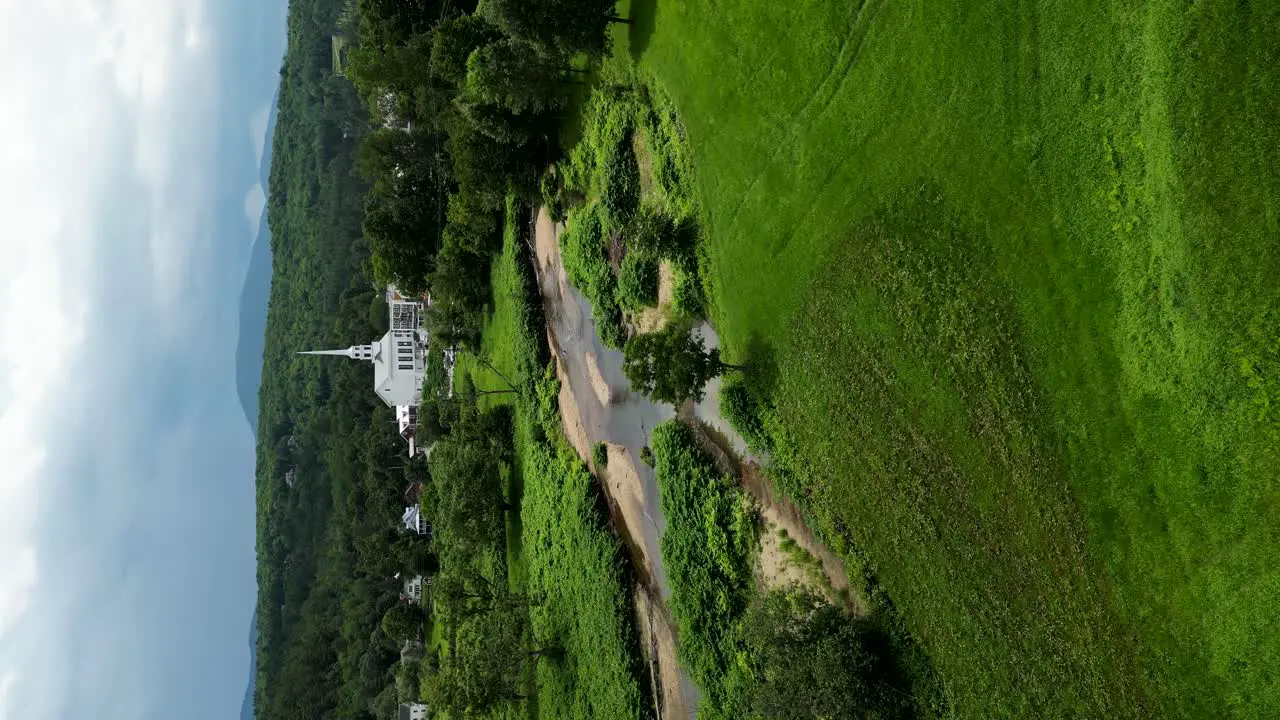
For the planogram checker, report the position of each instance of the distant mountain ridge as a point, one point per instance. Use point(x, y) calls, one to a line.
point(253, 299)
point(249, 351)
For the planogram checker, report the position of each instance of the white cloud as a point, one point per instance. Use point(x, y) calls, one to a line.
point(258, 132)
point(254, 201)
point(98, 99)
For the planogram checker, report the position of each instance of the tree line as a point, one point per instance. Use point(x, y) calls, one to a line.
point(466, 108)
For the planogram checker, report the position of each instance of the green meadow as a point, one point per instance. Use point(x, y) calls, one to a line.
point(1006, 276)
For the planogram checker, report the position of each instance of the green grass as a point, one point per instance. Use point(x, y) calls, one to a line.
point(1007, 273)
point(570, 561)
point(504, 321)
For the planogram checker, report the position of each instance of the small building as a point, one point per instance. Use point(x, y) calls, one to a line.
point(413, 711)
point(411, 651)
point(414, 522)
point(407, 421)
point(412, 589)
point(412, 493)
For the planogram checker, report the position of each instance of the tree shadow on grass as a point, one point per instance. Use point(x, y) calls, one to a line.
point(640, 31)
point(761, 361)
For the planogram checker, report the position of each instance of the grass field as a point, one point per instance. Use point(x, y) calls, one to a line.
point(561, 550)
point(1007, 273)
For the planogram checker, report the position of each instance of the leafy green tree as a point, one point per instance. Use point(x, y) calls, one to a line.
point(453, 42)
point(466, 474)
point(493, 651)
point(671, 365)
point(565, 26)
point(485, 169)
point(510, 73)
point(816, 661)
point(401, 621)
point(500, 123)
point(459, 290)
point(408, 159)
point(403, 241)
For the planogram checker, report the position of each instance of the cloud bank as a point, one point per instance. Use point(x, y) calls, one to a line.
point(126, 547)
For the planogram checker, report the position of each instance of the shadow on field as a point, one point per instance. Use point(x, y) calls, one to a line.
point(761, 361)
point(640, 31)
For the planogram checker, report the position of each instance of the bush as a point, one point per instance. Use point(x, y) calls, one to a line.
point(686, 294)
point(654, 233)
point(707, 547)
point(600, 456)
point(638, 282)
point(743, 412)
point(583, 254)
point(621, 193)
point(816, 661)
point(646, 456)
point(551, 187)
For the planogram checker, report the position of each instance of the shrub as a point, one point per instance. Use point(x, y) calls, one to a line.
point(621, 192)
point(707, 547)
point(583, 247)
point(743, 412)
point(653, 232)
point(686, 294)
point(600, 456)
point(583, 254)
point(816, 661)
point(646, 456)
point(638, 282)
point(552, 190)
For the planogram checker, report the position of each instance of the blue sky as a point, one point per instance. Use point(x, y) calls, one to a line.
point(128, 163)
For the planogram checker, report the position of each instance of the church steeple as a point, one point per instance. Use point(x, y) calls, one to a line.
point(355, 352)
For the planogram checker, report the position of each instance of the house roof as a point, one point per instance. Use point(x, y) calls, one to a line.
point(412, 493)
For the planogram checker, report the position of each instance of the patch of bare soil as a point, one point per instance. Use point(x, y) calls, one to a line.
point(658, 644)
point(666, 283)
point(653, 319)
point(626, 495)
point(780, 513)
point(599, 385)
point(546, 243)
point(775, 513)
point(776, 569)
point(570, 417)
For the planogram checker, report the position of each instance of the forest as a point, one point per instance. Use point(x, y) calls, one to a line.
point(329, 472)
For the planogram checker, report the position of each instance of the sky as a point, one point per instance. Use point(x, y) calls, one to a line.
point(128, 198)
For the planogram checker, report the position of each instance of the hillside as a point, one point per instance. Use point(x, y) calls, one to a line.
point(253, 300)
point(320, 594)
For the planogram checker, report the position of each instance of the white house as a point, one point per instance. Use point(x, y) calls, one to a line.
point(412, 590)
point(407, 420)
point(413, 711)
point(414, 522)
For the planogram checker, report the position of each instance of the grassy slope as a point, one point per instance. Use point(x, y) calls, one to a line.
point(1018, 257)
point(567, 555)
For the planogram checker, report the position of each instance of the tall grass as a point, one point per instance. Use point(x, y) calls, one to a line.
point(1008, 271)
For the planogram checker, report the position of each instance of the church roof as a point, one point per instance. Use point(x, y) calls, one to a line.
point(382, 372)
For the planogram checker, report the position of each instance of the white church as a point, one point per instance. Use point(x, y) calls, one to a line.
point(399, 361)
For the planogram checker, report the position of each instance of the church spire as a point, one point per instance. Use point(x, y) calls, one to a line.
point(355, 352)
